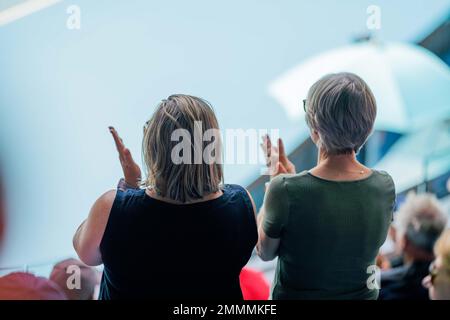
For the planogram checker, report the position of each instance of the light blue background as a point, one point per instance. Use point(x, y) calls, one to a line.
point(60, 89)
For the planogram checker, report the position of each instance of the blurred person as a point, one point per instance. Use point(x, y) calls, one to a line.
point(21, 285)
point(63, 272)
point(26, 286)
point(438, 281)
point(2, 213)
point(383, 262)
point(326, 225)
point(418, 224)
point(156, 242)
point(254, 285)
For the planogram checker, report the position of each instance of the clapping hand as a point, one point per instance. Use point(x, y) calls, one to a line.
point(131, 170)
point(276, 159)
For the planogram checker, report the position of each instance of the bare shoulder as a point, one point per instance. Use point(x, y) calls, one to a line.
point(102, 206)
point(107, 197)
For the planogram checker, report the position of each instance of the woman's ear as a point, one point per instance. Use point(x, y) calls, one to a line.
point(314, 136)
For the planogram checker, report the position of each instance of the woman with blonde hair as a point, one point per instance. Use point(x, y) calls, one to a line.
point(184, 234)
point(327, 224)
point(438, 281)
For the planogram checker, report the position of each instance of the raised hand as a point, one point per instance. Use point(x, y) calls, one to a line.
point(276, 158)
point(131, 170)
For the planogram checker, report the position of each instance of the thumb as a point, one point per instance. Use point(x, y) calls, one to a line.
point(281, 168)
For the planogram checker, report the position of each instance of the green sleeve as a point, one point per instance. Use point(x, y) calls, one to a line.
point(276, 207)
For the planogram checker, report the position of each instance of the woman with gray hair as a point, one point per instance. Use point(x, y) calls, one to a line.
point(418, 224)
point(327, 224)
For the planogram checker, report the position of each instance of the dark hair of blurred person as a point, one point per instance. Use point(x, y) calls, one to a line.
point(188, 234)
point(438, 280)
point(88, 282)
point(327, 224)
point(418, 224)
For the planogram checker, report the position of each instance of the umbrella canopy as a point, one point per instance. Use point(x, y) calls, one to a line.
point(419, 156)
point(411, 85)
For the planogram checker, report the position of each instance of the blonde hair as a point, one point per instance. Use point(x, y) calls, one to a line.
point(342, 109)
point(442, 249)
point(182, 182)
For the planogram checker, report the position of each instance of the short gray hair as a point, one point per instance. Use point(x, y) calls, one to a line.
point(421, 219)
point(342, 109)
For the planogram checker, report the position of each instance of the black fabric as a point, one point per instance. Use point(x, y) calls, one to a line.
point(405, 282)
point(154, 249)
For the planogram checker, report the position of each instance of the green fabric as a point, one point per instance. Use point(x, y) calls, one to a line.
point(330, 233)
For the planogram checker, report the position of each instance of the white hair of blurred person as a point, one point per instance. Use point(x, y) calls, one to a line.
point(418, 224)
point(64, 273)
point(438, 281)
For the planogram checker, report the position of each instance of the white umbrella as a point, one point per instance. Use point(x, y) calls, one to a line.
point(418, 157)
point(411, 85)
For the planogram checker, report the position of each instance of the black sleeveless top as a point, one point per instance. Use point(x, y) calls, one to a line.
point(154, 249)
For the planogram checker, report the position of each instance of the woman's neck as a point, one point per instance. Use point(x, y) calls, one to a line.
point(339, 167)
point(337, 160)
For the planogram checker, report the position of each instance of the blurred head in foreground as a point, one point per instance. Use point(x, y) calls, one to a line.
point(2, 212)
point(78, 281)
point(340, 111)
point(25, 286)
point(419, 223)
point(183, 174)
point(438, 282)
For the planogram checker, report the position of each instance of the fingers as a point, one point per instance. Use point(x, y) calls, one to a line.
point(127, 157)
point(281, 150)
point(117, 140)
point(266, 146)
point(426, 282)
point(268, 141)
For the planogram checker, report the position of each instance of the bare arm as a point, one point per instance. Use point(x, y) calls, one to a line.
point(278, 163)
point(86, 240)
point(267, 247)
point(88, 237)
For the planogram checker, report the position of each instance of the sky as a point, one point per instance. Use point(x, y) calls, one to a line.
point(60, 89)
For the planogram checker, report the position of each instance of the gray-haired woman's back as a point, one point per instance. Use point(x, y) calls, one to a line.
point(330, 233)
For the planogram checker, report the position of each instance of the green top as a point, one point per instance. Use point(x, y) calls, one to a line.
point(330, 233)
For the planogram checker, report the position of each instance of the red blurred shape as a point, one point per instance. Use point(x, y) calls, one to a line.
point(254, 285)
